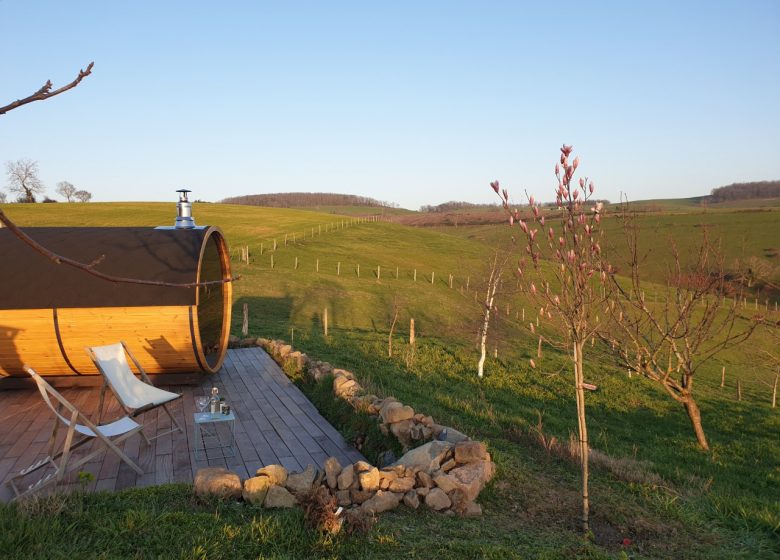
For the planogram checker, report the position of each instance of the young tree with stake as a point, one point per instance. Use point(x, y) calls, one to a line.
point(562, 271)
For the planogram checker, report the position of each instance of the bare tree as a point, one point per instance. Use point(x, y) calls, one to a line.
point(562, 279)
point(66, 190)
point(45, 91)
point(497, 265)
point(668, 338)
point(3, 197)
point(23, 179)
point(83, 196)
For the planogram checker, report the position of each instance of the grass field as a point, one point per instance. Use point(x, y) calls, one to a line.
point(656, 488)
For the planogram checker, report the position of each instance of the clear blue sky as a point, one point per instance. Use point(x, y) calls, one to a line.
point(414, 102)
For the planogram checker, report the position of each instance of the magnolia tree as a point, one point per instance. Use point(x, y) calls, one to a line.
point(563, 273)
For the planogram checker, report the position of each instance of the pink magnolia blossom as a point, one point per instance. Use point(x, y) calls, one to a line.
point(591, 187)
point(576, 163)
point(531, 200)
point(541, 220)
point(582, 183)
point(523, 226)
point(494, 184)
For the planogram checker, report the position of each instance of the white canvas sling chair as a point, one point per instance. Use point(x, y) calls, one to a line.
point(135, 396)
point(110, 434)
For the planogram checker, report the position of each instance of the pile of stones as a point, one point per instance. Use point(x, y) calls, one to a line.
point(443, 476)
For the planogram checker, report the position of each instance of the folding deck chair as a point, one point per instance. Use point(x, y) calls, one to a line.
point(135, 396)
point(110, 434)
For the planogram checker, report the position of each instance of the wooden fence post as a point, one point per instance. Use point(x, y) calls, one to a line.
point(723, 376)
point(272, 260)
point(285, 240)
point(450, 281)
point(245, 324)
point(396, 273)
point(338, 268)
point(318, 265)
point(411, 334)
point(274, 244)
point(774, 391)
point(415, 275)
point(433, 275)
point(325, 320)
point(358, 271)
point(378, 272)
point(468, 281)
point(539, 348)
point(296, 263)
point(739, 390)
point(261, 249)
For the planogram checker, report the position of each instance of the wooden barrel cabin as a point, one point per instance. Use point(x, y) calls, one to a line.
point(50, 312)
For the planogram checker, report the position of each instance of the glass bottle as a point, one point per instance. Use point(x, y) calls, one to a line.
point(214, 401)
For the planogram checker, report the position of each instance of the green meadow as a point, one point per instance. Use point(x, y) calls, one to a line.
point(654, 494)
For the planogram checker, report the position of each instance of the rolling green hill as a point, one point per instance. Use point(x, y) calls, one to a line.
point(661, 492)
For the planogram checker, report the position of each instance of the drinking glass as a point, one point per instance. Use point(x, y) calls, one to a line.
point(201, 403)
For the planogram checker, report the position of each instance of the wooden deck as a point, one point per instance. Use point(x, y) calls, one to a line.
point(275, 423)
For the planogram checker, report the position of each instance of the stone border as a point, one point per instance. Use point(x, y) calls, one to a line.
point(446, 474)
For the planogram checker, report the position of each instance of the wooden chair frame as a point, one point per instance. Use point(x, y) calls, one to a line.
point(132, 412)
point(74, 419)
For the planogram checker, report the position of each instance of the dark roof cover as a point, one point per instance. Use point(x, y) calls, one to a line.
point(29, 280)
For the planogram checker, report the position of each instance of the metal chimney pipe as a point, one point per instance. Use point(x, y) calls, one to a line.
point(184, 218)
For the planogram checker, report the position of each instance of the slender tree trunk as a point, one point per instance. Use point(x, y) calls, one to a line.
point(583, 432)
point(694, 414)
point(483, 343)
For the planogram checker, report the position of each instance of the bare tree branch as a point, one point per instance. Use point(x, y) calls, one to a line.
point(45, 91)
point(89, 268)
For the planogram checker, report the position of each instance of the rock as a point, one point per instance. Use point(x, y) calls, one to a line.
point(436, 430)
point(277, 473)
point(247, 342)
point(424, 480)
point(394, 411)
point(449, 465)
point(346, 478)
point(422, 491)
point(332, 471)
point(362, 466)
point(359, 496)
point(301, 482)
point(427, 421)
point(345, 388)
point(284, 350)
point(279, 497)
point(382, 501)
point(386, 458)
point(402, 485)
point(426, 457)
point(255, 489)
point(470, 451)
point(343, 498)
point(452, 435)
point(437, 499)
point(338, 372)
point(369, 480)
point(402, 431)
point(469, 479)
point(411, 499)
point(233, 340)
point(472, 509)
point(216, 481)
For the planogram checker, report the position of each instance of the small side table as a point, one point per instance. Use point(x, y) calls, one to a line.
point(215, 435)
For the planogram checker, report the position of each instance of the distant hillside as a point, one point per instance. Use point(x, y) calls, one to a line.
point(457, 206)
point(744, 191)
point(306, 200)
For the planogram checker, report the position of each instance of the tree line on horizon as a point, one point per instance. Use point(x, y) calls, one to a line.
point(306, 200)
point(743, 191)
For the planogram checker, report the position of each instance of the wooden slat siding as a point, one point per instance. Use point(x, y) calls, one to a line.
point(275, 423)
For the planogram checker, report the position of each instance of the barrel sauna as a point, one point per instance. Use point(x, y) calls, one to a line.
point(50, 312)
